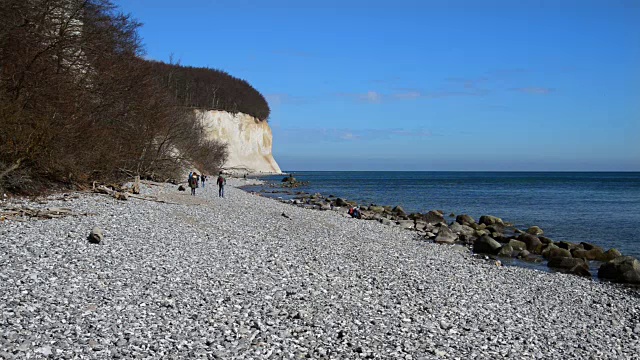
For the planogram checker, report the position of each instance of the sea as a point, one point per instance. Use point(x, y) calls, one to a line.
point(602, 208)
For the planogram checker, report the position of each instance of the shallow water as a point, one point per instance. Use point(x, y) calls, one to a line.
point(598, 207)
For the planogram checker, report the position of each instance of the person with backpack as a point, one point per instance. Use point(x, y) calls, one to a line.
point(221, 183)
point(193, 184)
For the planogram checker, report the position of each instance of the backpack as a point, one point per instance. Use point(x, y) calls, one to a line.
point(220, 180)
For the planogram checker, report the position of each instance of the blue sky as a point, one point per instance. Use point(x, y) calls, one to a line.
point(423, 85)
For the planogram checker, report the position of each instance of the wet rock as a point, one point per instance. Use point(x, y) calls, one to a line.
point(596, 253)
point(289, 179)
point(566, 245)
point(340, 202)
point(486, 245)
point(505, 251)
point(545, 240)
point(571, 265)
point(499, 237)
point(445, 236)
point(611, 254)
point(376, 209)
point(623, 269)
point(406, 224)
point(465, 219)
point(517, 244)
point(534, 244)
point(434, 217)
point(524, 253)
point(552, 251)
point(480, 232)
point(534, 230)
point(587, 246)
point(490, 220)
point(464, 230)
point(420, 225)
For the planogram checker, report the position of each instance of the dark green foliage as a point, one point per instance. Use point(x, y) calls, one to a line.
point(211, 89)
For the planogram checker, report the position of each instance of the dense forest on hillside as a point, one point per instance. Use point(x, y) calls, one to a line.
point(211, 89)
point(78, 104)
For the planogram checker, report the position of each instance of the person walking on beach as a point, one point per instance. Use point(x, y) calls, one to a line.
point(202, 179)
point(193, 184)
point(221, 182)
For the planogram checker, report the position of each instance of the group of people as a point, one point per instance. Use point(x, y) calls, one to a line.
point(355, 212)
point(196, 179)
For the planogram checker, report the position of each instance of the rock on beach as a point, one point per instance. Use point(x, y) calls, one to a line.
point(209, 277)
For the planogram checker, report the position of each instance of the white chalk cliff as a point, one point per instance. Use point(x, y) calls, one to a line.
point(249, 141)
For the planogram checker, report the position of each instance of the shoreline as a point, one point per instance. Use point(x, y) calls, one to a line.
point(463, 230)
point(233, 277)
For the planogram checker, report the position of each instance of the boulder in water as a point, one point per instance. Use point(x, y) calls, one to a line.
point(552, 251)
point(534, 230)
point(595, 253)
point(534, 244)
point(461, 229)
point(505, 251)
point(465, 219)
point(587, 246)
point(341, 202)
point(611, 254)
point(434, 217)
point(623, 269)
point(490, 220)
point(566, 245)
point(570, 265)
point(289, 179)
point(517, 244)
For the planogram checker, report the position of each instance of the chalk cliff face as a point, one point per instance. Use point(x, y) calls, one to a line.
point(248, 139)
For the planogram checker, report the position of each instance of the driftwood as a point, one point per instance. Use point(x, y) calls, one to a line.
point(136, 186)
point(118, 195)
point(19, 213)
point(121, 195)
point(152, 198)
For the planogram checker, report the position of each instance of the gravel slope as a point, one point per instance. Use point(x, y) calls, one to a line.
point(233, 278)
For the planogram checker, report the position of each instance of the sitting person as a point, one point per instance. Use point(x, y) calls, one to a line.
point(355, 213)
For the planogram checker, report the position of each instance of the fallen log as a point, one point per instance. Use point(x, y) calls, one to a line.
point(16, 213)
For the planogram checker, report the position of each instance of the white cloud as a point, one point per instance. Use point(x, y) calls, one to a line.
point(408, 95)
point(534, 90)
point(371, 96)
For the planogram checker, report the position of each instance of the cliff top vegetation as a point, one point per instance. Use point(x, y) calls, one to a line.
point(211, 89)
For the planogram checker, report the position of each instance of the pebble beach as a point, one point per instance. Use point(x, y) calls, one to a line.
point(247, 277)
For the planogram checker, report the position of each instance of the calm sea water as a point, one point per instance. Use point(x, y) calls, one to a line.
point(598, 207)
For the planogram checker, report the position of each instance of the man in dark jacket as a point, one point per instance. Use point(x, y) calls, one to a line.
point(221, 183)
